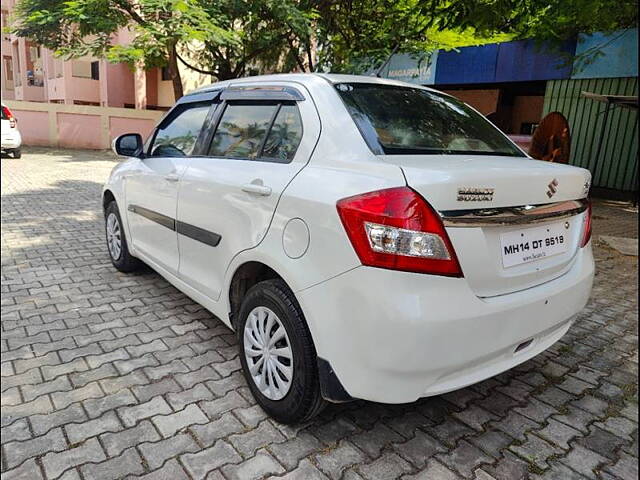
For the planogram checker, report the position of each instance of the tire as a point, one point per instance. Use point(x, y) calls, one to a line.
point(122, 259)
point(303, 399)
point(17, 153)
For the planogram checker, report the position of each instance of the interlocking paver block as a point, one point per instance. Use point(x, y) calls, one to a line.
point(387, 466)
point(536, 451)
point(17, 431)
point(31, 377)
point(97, 406)
point(63, 399)
point(77, 432)
point(116, 443)
point(158, 452)
point(419, 449)
point(168, 425)
point(170, 471)
point(34, 407)
point(113, 385)
point(49, 359)
point(126, 366)
point(305, 471)
point(146, 392)
point(435, 470)
point(257, 466)
point(129, 463)
point(199, 464)
point(60, 384)
point(218, 429)
point(77, 365)
point(192, 395)
point(29, 470)
point(17, 452)
point(583, 461)
point(336, 460)
point(71, 322)
point(219, 406)
point(156, 406)
point(247, 443)
point(56, 463)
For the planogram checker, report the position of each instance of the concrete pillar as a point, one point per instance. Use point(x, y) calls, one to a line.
point(104, 83)
point(67, 76)
point(140, 87)
point(22, 58)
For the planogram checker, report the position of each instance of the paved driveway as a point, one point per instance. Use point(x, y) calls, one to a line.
point(106, 375)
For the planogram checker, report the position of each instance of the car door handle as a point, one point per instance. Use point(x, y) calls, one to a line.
point(172, 177)
point(256, 189)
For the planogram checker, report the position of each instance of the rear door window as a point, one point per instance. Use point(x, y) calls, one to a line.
point(264, 131)
point(241, 131)
point(177, 135)
point(285, 135)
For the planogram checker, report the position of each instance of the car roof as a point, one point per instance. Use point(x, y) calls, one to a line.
point(305, 78)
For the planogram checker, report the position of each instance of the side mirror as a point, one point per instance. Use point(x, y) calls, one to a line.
point(128, 145)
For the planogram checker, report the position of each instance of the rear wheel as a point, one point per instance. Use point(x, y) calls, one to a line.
point(277, 353)
point(117, 241)
point(17, 153)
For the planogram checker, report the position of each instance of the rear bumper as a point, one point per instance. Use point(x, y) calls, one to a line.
point(394, 337)
point(10, 141)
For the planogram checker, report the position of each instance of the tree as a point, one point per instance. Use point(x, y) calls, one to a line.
point(233, 38)
point(264, 32)
point(550, 21)
point(317, 35)
point(74, 28)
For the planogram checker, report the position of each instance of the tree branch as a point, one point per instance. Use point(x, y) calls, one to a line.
point(196, 69)
point(127, 7)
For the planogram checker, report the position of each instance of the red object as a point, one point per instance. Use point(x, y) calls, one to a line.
point(10, 117)
point(586, 233)
point(398, 207)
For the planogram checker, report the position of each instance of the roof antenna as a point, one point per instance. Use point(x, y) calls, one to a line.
point(386, 62)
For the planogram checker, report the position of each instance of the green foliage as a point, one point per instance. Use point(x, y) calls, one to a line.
point(540, 19)
point(265, 31)
point(75, 28)
point(232, 38)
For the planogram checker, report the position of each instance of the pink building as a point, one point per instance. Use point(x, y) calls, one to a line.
point(30, 72)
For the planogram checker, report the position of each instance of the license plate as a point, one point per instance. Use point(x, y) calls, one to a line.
point(531, 244)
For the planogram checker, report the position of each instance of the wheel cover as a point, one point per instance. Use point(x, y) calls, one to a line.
point(268, 353)
point(114, 239)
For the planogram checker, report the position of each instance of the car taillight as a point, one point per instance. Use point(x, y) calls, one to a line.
point(397, 229)
point(586, 227)
point(9, 116)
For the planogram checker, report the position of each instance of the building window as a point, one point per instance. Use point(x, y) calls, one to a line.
point(165, 73)
point(95, 70)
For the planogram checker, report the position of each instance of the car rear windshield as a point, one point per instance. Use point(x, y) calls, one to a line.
point(404, 120)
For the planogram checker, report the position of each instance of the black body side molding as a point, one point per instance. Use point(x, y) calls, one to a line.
point(200, 234)
point(196, 233)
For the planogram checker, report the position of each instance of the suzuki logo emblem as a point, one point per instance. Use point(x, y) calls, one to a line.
point(553, 188)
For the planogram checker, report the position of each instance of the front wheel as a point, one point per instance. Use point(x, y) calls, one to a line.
point(117, 241)
point(277, 353)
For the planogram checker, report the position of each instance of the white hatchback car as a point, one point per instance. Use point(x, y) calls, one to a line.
point(365, 238)
point(10, 138)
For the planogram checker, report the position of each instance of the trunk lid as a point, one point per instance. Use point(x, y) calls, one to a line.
point(489, 254)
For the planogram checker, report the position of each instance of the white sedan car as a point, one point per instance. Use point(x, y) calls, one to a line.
point(10, 139)
point(365, 238)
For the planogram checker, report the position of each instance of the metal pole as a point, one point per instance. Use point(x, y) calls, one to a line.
point(395, 49)
point(604, 128)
